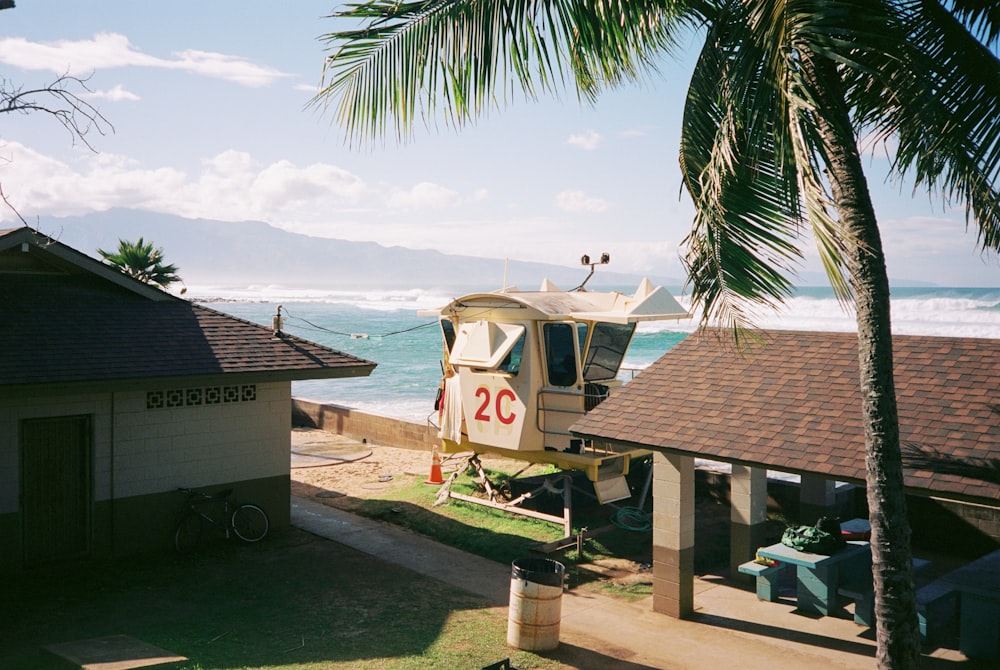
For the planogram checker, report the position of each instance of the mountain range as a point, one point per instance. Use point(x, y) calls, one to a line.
point(247, 253)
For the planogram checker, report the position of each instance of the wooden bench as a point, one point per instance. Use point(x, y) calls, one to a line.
point(920, 565)
point(767, 578)
point(937, 611)
point(864, 601)
point(863, 595)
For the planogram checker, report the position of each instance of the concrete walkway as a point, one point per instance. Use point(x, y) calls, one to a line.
point(731, 627)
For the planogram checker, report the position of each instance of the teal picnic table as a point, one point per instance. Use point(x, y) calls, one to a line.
point(859, 527)
point(978, 583)
point(817, 576)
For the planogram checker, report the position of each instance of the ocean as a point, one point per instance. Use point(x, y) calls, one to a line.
point(384, 327)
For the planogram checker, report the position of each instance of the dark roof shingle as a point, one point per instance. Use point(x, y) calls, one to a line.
point(794, 405)
point(67, 325)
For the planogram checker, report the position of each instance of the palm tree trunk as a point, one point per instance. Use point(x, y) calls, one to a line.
point(897, 631)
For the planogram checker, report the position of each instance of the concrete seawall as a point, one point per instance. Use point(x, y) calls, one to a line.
point(361, 426)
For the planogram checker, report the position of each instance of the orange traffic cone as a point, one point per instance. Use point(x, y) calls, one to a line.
point(435, 477)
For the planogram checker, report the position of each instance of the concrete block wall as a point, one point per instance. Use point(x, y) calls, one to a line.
point(986, 520)
point(673, 534)
point(243, 444)
point(161, 449)
point(748, 515)
point(964, 529)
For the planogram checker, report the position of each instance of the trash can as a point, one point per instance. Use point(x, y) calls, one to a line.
point(536, 586)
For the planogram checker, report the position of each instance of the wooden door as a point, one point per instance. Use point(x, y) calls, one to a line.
point(55, 488)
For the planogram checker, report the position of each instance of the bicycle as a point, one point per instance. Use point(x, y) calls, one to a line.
point(248, 522)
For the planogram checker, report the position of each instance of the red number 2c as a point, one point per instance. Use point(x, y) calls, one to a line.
point(484, 393)
point(505, 419)
point(482, 414)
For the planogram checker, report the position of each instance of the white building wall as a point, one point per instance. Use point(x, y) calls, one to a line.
point(158, 450)
point(150, 450)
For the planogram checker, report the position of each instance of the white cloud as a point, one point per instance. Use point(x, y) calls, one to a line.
point(285, 183)
point(423, 196)
point(630, 133)
point(579, 202)
point(935, 249)
point(223, 66)
point(654, 258)
point(318, 199)
point(112, 50)
point(588, 140)
point(235, 187)
point(541, 239)
point(531, 238)
point(229, 163)
point(929, 235)
point(116, 94)
point(38, 185)
point(78, 57)
point(938, 249)
point(231, 186)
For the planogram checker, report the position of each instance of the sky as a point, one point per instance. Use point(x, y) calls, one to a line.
point(209, 104)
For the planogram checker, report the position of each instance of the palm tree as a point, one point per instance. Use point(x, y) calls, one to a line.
point(780, 95)
point(142, 261)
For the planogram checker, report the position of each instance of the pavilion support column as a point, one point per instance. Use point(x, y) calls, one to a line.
point(673, 534)
point(817, 497)
point(748, 515)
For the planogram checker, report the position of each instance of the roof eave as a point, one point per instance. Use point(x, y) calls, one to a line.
point(146, 382)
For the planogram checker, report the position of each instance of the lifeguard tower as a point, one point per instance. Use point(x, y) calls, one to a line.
point(520, 367)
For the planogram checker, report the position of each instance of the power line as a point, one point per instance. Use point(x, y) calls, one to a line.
point(357, 336)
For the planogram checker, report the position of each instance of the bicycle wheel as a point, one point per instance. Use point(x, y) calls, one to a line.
point(188, 532)
point(250, 523)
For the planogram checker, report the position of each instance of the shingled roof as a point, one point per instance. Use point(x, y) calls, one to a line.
point(66, 318)
point(794, 405)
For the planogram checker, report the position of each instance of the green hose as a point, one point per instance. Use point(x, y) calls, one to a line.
point(632, 518)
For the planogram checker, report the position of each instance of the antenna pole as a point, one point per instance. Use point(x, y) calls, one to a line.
point(585, 260)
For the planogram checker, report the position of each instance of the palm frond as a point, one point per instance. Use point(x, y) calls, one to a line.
point(735, 158)
point(141, 260)
point(935, 90)
point(920, 457)
point(410, 60)
point(752, 155)
point(981, 16)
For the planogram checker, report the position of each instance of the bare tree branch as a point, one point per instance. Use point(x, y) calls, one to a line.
point(7, 202)
point(59, 100)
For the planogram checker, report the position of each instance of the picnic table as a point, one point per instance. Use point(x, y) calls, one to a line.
point(978, 583)
point(856, 527)
point(817, 576)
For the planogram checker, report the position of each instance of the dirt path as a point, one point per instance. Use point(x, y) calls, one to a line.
point(339, 465)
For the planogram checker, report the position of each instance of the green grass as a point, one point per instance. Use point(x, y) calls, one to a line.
point(500, 535)
point(629, 591)
point(292, 602)
point(299, 602)
point(494, 534)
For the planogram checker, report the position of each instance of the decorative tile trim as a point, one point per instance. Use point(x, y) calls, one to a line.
point(199, 396)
